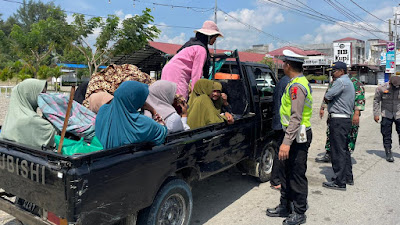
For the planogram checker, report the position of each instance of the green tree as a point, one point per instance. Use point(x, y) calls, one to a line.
point(44, 72)
point(133, 34)
point(269, 62)
point(36, 45)
point(31, 12)
point(56, 73)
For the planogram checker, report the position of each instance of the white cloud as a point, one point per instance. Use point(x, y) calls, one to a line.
point(119, 13)
point(240, 36)
point(70, 18)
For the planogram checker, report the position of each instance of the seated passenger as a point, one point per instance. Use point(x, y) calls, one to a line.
point(81, 120)
point(110, 78)
point(22, 124)
point(161, 98)
point(220, 101)
point(202, 111)
point(96, 100)
point(119, 123)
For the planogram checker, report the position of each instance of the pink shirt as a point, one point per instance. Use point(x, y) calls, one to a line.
point(185, 66)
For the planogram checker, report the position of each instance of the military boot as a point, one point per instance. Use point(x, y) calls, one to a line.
point(325, 158)
point(389, 156)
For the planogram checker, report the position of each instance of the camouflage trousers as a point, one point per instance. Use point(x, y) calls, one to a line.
point(352, 137)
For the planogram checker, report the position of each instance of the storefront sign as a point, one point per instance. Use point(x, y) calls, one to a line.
point(390, 65)
point(342, 52)
point(316, 62)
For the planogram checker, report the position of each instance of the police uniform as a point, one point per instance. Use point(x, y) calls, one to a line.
point(295, 112)
point(341, 97)
point(359, 104)
point(387, 105)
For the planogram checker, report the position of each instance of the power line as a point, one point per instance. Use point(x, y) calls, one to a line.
point(22, 3)
point(161, 25)
point(345, 13)
point(320, 17)
point(367, 11)
point(196, 9)
point(255, 28)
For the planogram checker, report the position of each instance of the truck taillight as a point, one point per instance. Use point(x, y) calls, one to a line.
point(51, 217)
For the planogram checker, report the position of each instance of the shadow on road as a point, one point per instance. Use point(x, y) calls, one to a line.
point(13, 222)
point(214, 194)
point(381, 153)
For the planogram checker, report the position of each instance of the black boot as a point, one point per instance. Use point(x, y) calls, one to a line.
point(325, 158)
point(389, 156)
point(279, 211)
point(295, 219)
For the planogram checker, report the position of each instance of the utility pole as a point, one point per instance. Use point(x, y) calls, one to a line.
point(215, 20)
point(390, 30)
point(395, 39)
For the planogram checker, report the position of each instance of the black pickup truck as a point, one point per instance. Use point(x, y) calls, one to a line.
point(139, 183)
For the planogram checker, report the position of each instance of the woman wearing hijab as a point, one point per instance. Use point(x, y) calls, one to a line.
point(202, 111)
point(220, 101)
point(161, 98)
point(192, 60)
point(22, 124)
point(119, 123)
point(98, 99)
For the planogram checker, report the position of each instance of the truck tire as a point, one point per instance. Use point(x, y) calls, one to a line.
point(172, 205)
point(266, 162)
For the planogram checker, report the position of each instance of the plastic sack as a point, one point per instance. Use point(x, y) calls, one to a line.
point(71, 147)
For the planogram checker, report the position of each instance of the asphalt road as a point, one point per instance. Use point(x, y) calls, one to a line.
point(232, 198)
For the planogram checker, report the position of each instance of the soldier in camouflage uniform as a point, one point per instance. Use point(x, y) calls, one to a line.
point(358, 107)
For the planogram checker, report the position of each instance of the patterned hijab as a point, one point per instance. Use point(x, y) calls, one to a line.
point(109, 79)
point(22, 123)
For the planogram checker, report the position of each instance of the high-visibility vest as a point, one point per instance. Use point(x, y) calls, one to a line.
point(286, 106)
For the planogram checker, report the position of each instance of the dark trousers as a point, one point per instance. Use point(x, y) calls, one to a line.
point(277, 169)
point(341, 160)
point(386, 130)
point(294, 181)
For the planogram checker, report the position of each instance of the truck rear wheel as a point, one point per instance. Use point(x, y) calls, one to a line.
point(172, 206)
point(266, 163)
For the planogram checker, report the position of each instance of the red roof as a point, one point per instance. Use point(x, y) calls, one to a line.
point(279, 51)
point(173, 48)
point(348, 39)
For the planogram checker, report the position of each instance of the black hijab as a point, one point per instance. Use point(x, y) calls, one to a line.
point(81, 92)
point(202, 40)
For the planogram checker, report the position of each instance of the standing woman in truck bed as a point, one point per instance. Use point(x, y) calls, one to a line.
point(192, 60)
point(22, 123)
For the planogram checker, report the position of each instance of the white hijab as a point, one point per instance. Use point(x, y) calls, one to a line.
point(161, 98)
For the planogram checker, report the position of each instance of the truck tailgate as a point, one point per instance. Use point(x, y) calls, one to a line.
point(35, 176)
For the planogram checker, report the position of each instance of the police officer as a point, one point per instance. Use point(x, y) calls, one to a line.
point(340, 98)
point(359, 105)
point(295, 113)
point(387, 104)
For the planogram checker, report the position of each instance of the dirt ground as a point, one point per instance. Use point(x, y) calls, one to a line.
point(234, 198)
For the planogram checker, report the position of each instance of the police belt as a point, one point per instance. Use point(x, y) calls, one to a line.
point(284, 128)
point(338, 115)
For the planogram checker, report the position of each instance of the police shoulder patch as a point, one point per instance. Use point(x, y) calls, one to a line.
point(293, 92)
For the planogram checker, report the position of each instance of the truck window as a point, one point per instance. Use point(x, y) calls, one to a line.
point(265, 82)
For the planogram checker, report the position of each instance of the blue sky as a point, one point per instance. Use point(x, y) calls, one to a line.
point(267, 17)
